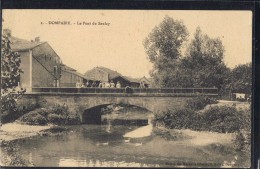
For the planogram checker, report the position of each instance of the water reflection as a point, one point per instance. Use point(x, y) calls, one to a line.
point(112, 145)
point(99, 163)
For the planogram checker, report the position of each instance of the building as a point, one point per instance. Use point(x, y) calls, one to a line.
point(70, 77)
point(40, 63)
point(104, 74)
point(146, 81)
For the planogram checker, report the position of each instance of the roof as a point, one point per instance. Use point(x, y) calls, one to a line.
point(146, 80)
point(66, 67)
point(72, 71)
point(75, 73)
point(18, 44)
point(133, 80)
point(111, 73)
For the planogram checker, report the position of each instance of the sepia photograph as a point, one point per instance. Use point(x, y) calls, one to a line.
point(126, 88)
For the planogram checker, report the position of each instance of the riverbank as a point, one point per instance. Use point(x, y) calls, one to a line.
point(14, 131)
point(11, 132)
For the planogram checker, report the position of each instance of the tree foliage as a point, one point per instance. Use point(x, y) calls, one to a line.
point(204, 62)
point(202, 65)
point(241, 78)
point(10, 74)
point(163, 47)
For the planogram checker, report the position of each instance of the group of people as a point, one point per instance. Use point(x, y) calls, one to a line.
point(99, 84)
point(142, 85)
point(106, 84)
point(109, 85)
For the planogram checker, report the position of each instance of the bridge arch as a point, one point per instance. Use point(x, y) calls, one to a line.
point(99, 101)
point(93, 115)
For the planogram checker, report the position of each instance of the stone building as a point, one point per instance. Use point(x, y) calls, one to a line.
point(40, 63)
point(70, 77)
point(104, 74)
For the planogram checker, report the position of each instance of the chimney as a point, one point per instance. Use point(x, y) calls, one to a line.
point(7, 32)
point(37, 39)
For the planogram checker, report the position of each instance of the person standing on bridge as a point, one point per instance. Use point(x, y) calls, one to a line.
point(103, 84)
point(141, 85)
point(118, 85)
point(112, 84)
point(100, 84)
point(107, 85)
point(87, 84)
point(78, 85)
point(93, 84)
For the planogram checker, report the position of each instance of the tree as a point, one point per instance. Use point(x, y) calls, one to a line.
point(163, 47)
point(242, 78)
point(10, 74)
point(204, 62)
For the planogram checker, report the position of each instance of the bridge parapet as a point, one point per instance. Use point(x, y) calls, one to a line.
point(133, 91)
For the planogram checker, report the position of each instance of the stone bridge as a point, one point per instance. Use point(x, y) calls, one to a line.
point(79, 100)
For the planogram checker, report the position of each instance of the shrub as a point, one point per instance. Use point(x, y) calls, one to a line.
point(17, 109)
point(239, 141)
point(72, 119)
point(58, 109)
point(198, 103)
point(33, 118)
point(177, 118)
point(56, 119)
point(218, 119)
point(56, 115)
point(223, 119)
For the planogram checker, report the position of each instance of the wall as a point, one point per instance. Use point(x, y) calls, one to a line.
point(69, 79)
point(48, 59)
point(25, 66)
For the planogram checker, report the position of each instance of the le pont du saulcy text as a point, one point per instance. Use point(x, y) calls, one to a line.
point(77, 23)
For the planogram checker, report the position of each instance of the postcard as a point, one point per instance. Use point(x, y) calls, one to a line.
point(126, 88)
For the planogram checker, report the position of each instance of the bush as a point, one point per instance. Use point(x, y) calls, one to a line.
point(223, 119)
point(198, 103)
point(57, 115)
point(239, 141)
point(34, 118)
point(178, 118)
point(16, 110)
point(218, 119)
point(58, 109)
point(72, 119)
point(56, 119)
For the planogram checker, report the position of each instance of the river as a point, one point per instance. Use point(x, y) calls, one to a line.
point(109, 145)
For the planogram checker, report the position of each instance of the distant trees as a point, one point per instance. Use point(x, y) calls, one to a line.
point(241, 78)
point(201, 65)
point(204, 61)
point(10, 74)
point(163, 47)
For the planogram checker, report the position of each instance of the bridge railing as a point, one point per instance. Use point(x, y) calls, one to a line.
point(123, 90)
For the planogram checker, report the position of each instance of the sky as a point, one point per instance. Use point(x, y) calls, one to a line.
point(119, 45)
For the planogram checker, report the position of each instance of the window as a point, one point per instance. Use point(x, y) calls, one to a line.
point(55, 68)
